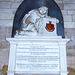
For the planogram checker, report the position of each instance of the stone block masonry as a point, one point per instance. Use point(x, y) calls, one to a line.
point(7, 12)
point(68, 11)
point(4, 46)
point(9, 7)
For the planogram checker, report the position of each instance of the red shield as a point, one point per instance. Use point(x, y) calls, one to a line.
point(50, 27)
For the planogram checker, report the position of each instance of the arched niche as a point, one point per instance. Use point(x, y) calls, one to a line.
point(27, 5)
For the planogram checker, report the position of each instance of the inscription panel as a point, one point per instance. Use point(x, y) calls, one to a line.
point(37, 58)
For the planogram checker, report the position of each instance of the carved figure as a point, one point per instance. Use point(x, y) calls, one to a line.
point(30, 21)
point(33, 21)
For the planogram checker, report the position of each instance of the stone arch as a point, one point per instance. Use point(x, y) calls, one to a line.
point(27, 5)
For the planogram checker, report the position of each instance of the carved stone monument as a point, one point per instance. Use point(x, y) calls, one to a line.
point(37, 49)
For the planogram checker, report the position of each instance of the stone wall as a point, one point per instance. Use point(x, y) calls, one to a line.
point(7, 12)
point(68, 11)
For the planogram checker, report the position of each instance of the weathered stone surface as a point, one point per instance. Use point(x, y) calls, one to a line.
point(0, 66)
point(71, 61)
point(6, 16)
point(69, 6)
point(4, 57)
point(67, 18)
point(3, 73)
point(4, 0)
point(6, 22)
point(5, 4)
point(58, 1)
point(74, 17)
point(71, 71)
point(6, 11)
point(68, 1)
point(70, 33)
point(72, 12)
point(69, 24)
point(5, 32)
point(17, 0)
point(15, 5)
point(61, 6)
point(64, 12)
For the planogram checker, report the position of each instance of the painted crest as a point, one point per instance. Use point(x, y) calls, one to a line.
point(50, 27)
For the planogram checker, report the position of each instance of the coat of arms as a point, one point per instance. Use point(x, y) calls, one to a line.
point(50, 27)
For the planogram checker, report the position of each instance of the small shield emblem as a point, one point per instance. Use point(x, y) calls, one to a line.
point(50, 27)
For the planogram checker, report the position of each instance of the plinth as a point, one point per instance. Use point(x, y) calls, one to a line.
point(37, 55)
